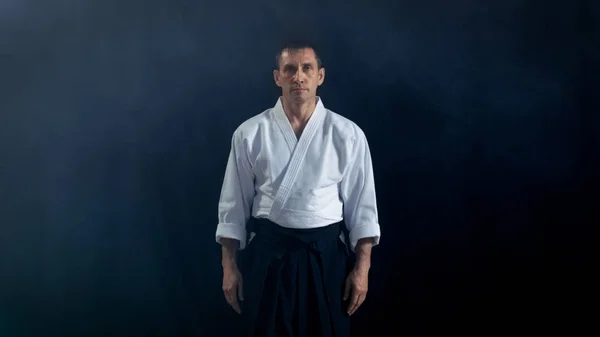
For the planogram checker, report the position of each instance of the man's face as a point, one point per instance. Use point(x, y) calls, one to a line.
point(298, 75)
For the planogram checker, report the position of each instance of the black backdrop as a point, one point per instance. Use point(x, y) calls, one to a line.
point(116, 118)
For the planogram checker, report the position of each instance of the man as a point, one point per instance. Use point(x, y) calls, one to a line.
point(298, 192)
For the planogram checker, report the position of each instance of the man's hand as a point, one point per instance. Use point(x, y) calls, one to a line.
point(357, 285)
point(233, 286)
point(232, 278)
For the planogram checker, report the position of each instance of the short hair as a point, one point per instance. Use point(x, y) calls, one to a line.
point(297, 45)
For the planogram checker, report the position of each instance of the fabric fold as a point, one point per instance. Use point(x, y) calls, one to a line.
point(295, 273)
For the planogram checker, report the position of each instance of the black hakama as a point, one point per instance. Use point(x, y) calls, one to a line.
point(294, 281)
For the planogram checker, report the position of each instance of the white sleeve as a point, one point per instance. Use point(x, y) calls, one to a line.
point(358, 193)
point(237, 194)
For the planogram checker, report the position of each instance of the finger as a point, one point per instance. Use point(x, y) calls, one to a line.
point(361, 299)
point(236, 306)
point(231, 294)
point(231, 298)
point(354, 302)
point(228, 297)
point(347, 289)
point(357, 304)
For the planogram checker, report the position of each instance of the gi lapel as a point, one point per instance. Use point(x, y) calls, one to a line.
point(298, 149)
point(285, 126)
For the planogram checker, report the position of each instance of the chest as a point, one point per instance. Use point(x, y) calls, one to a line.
point(322, 162)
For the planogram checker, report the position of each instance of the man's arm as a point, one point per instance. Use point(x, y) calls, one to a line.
point(363, 254)
point(229, 248)
point(235, 203)
point(235, 206)
point(360, 203)
point(360, 215)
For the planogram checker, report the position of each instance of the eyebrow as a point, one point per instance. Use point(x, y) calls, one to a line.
point(303, 64)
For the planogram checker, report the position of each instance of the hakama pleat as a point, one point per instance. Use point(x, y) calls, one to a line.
point(294, 281)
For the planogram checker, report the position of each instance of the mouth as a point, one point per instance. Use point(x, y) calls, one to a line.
point(299, 89)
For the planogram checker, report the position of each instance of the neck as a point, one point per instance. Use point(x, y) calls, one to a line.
point(299, 113)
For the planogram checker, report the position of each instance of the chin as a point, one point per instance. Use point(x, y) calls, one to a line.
point(301, 98)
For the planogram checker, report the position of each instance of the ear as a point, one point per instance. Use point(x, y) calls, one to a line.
point(321, 76)
point(276, 75)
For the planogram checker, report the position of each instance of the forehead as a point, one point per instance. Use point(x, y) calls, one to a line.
point(298, 56)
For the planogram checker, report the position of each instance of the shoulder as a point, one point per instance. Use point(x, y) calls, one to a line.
point(251, 126)
point(343, 127)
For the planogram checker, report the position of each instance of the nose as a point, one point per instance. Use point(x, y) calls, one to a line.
point(298, 78)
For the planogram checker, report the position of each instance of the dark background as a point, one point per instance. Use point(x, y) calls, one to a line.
point(115, 125)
